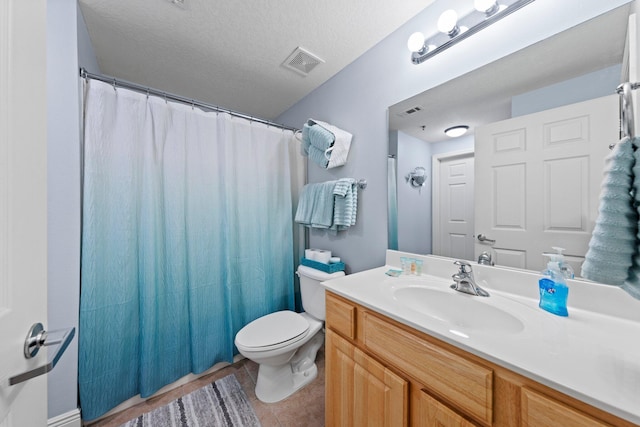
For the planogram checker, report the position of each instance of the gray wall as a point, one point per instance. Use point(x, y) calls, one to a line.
point(67, 38)
point(86, 54)
point(414, 204)
point(63, 182)
point(357, 98)
point(582, 88)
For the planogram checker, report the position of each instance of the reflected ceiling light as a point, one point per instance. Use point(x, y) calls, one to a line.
point(453, 29)
point(456, 131)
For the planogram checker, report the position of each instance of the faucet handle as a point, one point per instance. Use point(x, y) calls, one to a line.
point(464, 266)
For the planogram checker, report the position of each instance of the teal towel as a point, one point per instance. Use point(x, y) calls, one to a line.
point(614, 241)
point(315, 207)
point(306, 141)
point(345, 203)
point(632, 284)
point(320, 137)
point(315, 142)
point(318, 156)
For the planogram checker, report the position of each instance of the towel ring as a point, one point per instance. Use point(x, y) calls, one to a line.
point(626, 109)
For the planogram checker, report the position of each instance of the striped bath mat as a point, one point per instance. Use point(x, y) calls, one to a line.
point(222, 403)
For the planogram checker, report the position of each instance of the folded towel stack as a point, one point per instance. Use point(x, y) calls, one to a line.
point(613, 242)
point(325, 144)
point(329, 205)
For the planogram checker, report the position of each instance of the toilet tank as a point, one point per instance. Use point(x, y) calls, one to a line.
point(311, 292)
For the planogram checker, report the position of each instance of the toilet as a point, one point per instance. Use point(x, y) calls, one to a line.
point(284, 344)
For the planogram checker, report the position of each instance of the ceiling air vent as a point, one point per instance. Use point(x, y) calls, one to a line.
point(410, 111)
point(302, 61)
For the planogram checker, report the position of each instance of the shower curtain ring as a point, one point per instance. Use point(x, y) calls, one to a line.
point(114, 85)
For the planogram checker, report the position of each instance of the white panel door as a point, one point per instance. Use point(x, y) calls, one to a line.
point(453, 206)
point(23, 209)
point(538, 181)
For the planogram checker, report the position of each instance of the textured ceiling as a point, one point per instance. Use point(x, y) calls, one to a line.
point(229, 53)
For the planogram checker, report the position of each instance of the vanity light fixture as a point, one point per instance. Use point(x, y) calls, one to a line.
point(456, 131)
point(452, 30)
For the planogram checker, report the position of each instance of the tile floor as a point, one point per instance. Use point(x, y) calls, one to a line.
point(304, 408)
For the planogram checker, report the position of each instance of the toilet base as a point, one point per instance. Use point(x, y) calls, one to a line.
point(279, 382)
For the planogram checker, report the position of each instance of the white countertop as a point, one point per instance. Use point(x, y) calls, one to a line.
point(592, 355)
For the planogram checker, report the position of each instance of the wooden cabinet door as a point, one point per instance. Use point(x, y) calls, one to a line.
point(359, 390)
point(427, 411)
point(541, 411)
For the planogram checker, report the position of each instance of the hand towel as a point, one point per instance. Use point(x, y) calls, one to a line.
point(613, 243)
point(315, 206)
point(320, 137)
point(632, 284)
point(345, 206)
point(318, 156)
point(306, 141)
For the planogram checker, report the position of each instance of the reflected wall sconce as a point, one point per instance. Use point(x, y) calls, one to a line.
point(417, 177)
point(452, 30)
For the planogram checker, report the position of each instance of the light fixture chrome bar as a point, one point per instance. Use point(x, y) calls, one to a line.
point(168, 96)
point(474, 21)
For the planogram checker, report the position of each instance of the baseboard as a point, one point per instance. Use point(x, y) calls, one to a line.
point(69, 419)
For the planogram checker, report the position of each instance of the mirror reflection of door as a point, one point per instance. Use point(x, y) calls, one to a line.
point(538, 181)
point(453, 205)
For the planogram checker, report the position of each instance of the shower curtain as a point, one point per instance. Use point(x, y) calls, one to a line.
point(187, 236)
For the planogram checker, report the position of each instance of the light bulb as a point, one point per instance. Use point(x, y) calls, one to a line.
point(486, 6)
point(456, 131)
point(448, 21)
point(415, 42)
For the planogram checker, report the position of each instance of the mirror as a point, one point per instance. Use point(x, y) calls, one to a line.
point(582, 63)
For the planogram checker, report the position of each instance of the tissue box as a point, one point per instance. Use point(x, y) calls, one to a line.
point(327, 268)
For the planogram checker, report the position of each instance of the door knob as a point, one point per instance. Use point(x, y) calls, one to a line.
point(37, 338)
point(483, 238)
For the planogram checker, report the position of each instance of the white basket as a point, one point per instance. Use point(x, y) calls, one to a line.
point(338, 152)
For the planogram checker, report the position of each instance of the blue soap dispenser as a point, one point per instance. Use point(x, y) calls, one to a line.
point(553, 286)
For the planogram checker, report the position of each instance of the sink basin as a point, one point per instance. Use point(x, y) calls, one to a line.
point(460, 311)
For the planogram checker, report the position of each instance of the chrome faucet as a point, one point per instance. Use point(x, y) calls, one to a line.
point(485, 259)
point(465, 282)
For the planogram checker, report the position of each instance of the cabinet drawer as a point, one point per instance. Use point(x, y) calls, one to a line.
point(341, 316)
point(539, 410)
point(465, 384)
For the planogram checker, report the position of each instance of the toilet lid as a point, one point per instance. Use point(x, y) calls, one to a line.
point(272, 329)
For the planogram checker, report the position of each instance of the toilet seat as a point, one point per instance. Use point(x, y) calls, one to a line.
point(273, 331)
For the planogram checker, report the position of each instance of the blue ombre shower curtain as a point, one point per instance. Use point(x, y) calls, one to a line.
point(187, 236)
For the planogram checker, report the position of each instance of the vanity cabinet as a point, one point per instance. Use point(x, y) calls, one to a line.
point(382, 372)
point(363, 391)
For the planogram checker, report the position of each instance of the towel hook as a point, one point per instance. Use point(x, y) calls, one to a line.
point(362, 183)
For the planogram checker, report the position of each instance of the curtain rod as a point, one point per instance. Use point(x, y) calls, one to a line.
point(149, 91)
